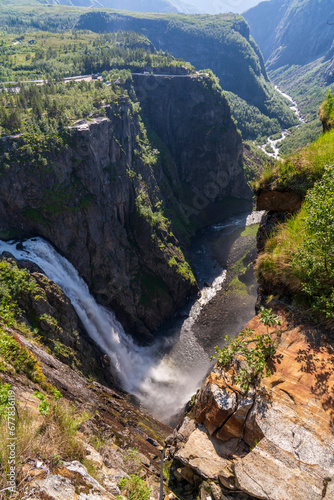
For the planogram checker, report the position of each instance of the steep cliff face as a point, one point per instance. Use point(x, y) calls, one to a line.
point(272, 443)
point(192, 118)
point(98, 201)
point(221, 43)
point(292, 32)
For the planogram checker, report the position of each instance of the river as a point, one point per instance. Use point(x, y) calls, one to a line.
point(273, 142)
point(166, 374)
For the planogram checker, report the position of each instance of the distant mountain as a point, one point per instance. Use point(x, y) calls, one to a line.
point(221, 43)
point(296, 39)
point(292, 31)
point(163, 6)
point(223, 6)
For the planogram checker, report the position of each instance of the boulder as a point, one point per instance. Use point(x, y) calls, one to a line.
point(279, 201)
point(204, 454)
point(270, 472)
point(215, 406)
point(70, 481)
point(277, 442)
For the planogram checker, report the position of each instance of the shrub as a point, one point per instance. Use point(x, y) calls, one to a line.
point(44, 405)
point(4, 394)
point(298, 259)
point(20, 357)
point(133, 460)
point(314, 257)
point(136, 488)
point(255, 350)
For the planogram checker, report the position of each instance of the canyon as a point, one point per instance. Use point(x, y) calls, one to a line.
point(128, 242)
point(87, 202)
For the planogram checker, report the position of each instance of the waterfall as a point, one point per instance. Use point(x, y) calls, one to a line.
point(164, 375)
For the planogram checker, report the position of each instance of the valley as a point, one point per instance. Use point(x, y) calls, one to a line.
point(166, 243)
point(302, 65)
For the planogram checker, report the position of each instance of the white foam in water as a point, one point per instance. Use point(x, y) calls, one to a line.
point(163, 382)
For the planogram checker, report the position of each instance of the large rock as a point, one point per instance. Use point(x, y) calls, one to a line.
point(204, 454)
point(269, 472)
point(279, 201)
point(287, 423)
point(214, 406)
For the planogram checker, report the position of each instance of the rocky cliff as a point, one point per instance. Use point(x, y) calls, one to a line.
point(272, 443)
point(81, 445)
point(221, 43)
point(180, 114)
point(101, 199)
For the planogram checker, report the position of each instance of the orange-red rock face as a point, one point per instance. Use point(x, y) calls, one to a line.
point(287, 422)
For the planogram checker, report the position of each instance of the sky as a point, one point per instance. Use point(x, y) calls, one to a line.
point(216, 6)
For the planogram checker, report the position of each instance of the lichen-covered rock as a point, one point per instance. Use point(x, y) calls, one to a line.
point(70, 481)
point(270, 472)
point(204, 455)
point(278, 440)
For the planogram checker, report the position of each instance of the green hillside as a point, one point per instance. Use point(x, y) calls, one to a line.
point(292, 32)
point(298, 257)
point(221, 43)
point(296, 39)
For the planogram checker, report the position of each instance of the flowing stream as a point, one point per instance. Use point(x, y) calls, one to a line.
point(164, 375)
point(273, 142)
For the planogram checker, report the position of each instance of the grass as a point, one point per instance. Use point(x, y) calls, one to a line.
point(237, 287)
point(52, 436)
point(326, 111)
point(298, 257)
point(135, 488)
point(274, 265)
point(300, 171)
point(182, 268)
point(250, 230)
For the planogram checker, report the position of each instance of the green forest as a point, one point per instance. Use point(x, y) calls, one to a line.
point(46, 56)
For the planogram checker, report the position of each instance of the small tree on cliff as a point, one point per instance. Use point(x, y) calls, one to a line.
point(254, 351)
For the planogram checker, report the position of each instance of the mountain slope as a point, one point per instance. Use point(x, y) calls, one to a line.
point(113, 200)
point(296, 38)
point(292, 32)
point(134, 5)
point(221, 43)
point(218, 7)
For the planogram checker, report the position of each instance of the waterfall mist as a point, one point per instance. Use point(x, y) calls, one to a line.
point(164, 375)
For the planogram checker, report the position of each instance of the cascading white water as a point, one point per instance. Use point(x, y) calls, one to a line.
point(284, 133)
point(163, 376)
